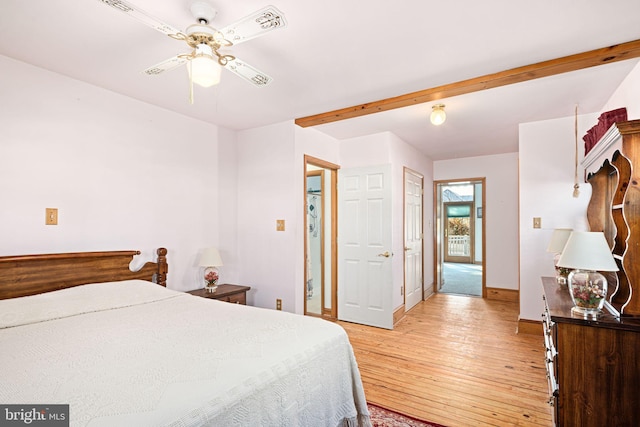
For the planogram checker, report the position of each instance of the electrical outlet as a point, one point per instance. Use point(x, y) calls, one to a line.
point(51, 216)
point(537, 222)
point(278, 304)
point(280, 225)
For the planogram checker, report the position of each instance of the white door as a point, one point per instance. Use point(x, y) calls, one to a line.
point(413, 236)
point(365, 282)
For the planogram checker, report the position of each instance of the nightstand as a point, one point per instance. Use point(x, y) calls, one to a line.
point(229, 293)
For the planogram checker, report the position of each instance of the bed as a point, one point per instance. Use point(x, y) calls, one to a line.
point(121, 349)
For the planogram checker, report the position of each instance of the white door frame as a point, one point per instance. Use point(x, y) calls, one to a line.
point(330, 301)
point(438, 245)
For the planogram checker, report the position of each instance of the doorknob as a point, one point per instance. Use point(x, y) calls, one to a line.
point(385, 254)
point(407, 248)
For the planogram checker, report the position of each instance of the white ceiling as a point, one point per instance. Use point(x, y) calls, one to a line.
point(339, 53)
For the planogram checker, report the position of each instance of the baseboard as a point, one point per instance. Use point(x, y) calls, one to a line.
point(531, 327)
point(398, 314)
point(510, 295)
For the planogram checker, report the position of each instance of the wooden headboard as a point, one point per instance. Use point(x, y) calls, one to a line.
point(24, 275)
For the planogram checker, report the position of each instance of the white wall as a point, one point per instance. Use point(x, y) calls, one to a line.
point(386, 148)
point(547, 157)
point(404, 155)
point(227, 171)
point(308, 141)
point(366, 150)
point(547, 152)
point(271, 186)
point(627, 95)
point(266, 193)
point(123, 174)
point(500, 212)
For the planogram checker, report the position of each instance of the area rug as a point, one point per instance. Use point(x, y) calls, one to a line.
point(381, 417)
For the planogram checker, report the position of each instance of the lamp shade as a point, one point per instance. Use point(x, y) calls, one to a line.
point(205, 70)
point(438, 116)
point(210, 257)
point(559, 240)
point(587, 250)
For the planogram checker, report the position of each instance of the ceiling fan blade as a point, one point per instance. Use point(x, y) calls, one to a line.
point(254, 25)
point(248, 73)
point(142, 16)
point(166, 65)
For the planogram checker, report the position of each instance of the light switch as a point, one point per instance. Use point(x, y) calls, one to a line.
point(537, 222)
point(51, 216)
point(280, 224)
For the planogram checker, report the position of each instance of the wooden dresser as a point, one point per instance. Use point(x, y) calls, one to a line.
point(612, 168)
point(593, 365)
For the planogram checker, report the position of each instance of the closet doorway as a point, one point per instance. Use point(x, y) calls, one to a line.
point(321, 262)
point(460, 237)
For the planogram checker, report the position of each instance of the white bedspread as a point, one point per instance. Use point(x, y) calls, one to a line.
point(136, 354)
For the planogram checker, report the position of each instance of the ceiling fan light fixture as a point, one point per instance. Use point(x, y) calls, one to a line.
point(438, 116)
point(205, 70)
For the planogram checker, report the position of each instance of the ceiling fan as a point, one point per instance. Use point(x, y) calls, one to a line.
point(205, 61)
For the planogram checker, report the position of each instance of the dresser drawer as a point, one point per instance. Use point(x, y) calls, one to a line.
point(235, 299)
point(234, 294)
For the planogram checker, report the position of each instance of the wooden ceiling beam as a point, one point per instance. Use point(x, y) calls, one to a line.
point(579, 61)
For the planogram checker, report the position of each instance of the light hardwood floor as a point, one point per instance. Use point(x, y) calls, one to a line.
point(456, 361)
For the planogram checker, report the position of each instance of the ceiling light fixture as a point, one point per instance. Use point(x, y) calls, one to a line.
point(205, 70)
point(438, 116)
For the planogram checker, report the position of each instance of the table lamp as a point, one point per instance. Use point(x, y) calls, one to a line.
point(586, 253)
point(210, 259)
point(556, 246)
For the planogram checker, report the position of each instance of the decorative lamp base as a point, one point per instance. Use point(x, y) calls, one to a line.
point(588, 291)
point(211, 278)
point(587, 313)
point(561, 272)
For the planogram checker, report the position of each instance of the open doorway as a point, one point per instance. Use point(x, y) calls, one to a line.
point(320, 270)
point(460, 237)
